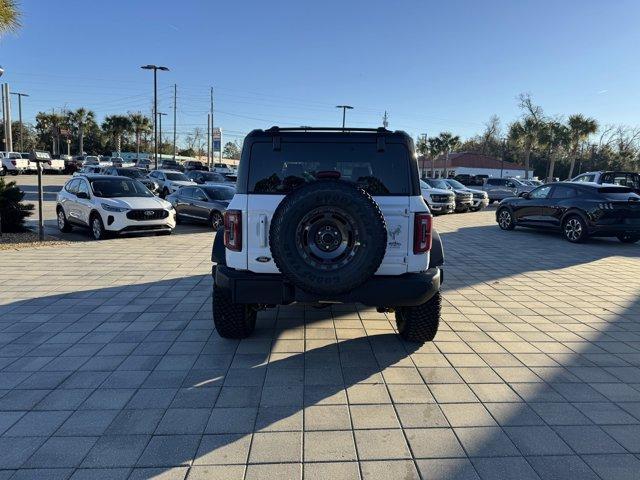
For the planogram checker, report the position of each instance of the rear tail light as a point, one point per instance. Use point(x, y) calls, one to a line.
point(422, 232)
point(233, 230)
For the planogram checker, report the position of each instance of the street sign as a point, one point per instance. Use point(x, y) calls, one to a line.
point(216, 135)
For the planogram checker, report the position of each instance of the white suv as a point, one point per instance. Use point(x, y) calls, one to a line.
point(170, 181)
point(109, 204)
point(325, 216)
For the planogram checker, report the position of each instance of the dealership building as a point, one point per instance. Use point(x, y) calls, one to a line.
point(470, 163)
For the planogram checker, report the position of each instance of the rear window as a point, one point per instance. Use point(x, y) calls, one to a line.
point(295, 164)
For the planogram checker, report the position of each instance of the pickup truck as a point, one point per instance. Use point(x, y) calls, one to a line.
point(13, 163)
point(55, 165)
point(624, 179)
point(500, 188)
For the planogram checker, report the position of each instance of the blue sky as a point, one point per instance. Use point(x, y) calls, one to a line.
point(432, 65)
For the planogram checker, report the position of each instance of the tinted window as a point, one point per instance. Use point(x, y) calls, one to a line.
point(624, 179)
point(83, 187)
point(540, 192)
point(220, 193)
point(295, 164)
point(585, 178)
point(456, 184)
point(496, 181)
point(199, 195)
point(437, 183)
point(186, 192)
point(562, 191)
point(72, 186)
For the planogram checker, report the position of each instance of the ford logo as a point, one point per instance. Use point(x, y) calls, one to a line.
point(148, 213)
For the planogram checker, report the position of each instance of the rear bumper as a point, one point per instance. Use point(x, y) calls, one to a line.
point(613, 230)
point(379, 291)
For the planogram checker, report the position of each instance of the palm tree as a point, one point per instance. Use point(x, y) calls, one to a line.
point(525, 134)
point(448, 142)
point(140, 124)
point(554, 136)
point(115, 126)
point(9, 16)
point(435, 149)
point(79, 119)
point(580, 127)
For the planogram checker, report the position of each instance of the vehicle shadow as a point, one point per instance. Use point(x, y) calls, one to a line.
point(205, 398)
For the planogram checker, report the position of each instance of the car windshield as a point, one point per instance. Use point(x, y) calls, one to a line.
point(113, 188)
point(437, 183)
point(456, 184)
point(175, 176)
point(220, 193)
point(131, 173)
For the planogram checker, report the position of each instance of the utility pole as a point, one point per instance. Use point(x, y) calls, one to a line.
point(175, 109)
point(4, 133)
point(385, 120)
point(160, 115)
point(8, 143)
point(20, 95)
point(213, 153)
point(209, 140)
point(344, 112)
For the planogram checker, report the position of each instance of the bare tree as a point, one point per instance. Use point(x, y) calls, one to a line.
point(491, 132)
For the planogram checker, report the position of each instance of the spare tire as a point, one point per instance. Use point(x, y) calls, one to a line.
point(328, 237)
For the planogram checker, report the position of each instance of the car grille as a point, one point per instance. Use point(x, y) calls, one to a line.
point(464, 197)
point(151, 214)
point(479, 195)
point(441, 198)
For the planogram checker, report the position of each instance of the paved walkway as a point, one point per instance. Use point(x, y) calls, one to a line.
point(110, 369)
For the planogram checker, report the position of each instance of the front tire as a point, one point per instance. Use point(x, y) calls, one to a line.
point(232, 320)
point(63, 224)
point(628, 237)
point(96, 227)
point(505, 219)
point(574, 229)
point(420, 323)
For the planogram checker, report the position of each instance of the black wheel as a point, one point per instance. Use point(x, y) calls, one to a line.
point(216, 220)
point(63, 223)
point(328, 237)
point(505, 219)
point(96, 227)
point(628, 237)
point(3, 171)
point(574, 229)
point(14, 172)
point(420, 323)
point(232, 320)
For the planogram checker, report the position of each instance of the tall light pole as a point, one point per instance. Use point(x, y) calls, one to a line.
point(20, 95)
point(160, 115)
point(344, 112)
point(175, 109)
point(155, 69)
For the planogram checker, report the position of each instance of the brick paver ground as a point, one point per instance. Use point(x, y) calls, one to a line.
point(110, 369)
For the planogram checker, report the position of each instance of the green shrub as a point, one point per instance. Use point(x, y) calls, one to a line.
point(12, 212)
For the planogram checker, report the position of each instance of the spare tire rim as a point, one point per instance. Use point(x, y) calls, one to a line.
point(327, 238)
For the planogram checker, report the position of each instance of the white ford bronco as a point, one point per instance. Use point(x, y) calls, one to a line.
point(324, 216)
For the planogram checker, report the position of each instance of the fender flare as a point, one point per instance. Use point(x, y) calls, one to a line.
point(218, 252)
point(436, 257)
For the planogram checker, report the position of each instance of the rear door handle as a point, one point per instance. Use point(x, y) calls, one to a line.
point(262, 230)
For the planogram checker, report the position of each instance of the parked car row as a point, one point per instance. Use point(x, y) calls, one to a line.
point(15, 163)
point(448, 195)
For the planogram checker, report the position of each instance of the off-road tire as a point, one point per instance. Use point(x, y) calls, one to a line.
point(574, 237)
point(628, 238)
point(420, 323)
point(63, 224)
point(503, 222)
point(3, 171)
point(232, 320)
point(365, 218)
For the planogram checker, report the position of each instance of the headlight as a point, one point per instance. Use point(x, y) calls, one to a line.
point(111, 208)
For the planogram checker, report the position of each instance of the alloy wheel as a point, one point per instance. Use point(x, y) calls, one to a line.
point(61, 219)
point(504, 219)
point(96, 228)
point(573, 229)
point(216, 220)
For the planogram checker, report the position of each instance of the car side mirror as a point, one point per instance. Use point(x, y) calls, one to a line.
point(525, 195)
point(82, 195)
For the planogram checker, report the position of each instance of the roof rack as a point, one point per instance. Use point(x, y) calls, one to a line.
point(276, 129)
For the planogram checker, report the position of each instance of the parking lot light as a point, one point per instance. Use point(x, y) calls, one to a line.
point(155, 69)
